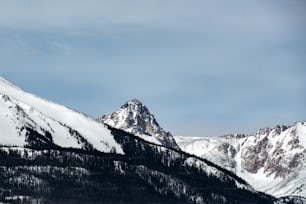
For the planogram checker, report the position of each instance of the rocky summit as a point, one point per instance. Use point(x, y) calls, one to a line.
point(135, 118)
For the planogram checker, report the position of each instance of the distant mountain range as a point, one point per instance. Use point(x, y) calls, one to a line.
point(272, 160)
point(52, 154)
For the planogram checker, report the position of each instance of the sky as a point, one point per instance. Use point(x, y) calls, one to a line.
point(203, 68)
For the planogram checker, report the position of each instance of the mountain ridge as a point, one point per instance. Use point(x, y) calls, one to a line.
point(270, 159)
point(65, 157)
point(21, 109)
point(257, 157)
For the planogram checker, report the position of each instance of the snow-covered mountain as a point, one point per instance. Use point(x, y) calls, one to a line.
point(135, 118)
point(52, 154)
point(27, 120)
point(273, 160)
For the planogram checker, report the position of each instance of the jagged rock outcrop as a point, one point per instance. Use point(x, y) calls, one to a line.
point(135, 118)
point(273, 160)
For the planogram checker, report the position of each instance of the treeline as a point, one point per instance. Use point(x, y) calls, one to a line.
point(147, 173)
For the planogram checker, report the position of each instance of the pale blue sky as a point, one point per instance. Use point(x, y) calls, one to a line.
point(202, 67)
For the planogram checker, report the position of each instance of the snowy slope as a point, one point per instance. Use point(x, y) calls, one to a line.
point(21, 110)
point(273, 160)
point(135, 118)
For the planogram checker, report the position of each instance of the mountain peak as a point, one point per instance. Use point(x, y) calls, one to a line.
point(135, 106)
point(135, 118)
point(134, 101)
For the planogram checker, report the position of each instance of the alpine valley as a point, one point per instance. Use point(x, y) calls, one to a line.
point(52, 154)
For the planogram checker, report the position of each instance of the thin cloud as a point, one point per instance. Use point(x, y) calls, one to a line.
point(207, 16)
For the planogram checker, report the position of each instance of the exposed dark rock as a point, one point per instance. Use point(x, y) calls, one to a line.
point(134, 117)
